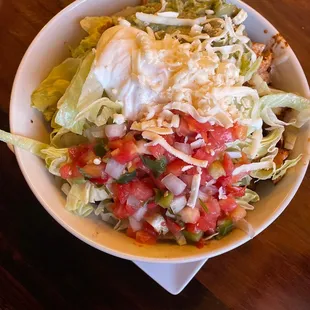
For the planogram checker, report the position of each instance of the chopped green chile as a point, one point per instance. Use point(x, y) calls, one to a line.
point(192, 237)
point(221, 9)
point(163, 200)
point(157, 166)
point(204, 206)
point(100, 149)
point(127, 177)
point(224, 228)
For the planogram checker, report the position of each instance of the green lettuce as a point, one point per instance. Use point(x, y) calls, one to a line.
point(46, 96)
point(30, 145)
point(67, 105)
point(289, 163)
point(64, 138)
point(94, 26)
point(81, 196)
point(249, 197)
point(284, 100)
point(269, 142)
point(99, 111)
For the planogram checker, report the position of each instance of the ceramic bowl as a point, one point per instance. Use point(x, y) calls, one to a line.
point(48, 49)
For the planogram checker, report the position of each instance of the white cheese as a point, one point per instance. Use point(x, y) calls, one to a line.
point(169, 21)
point(252, 167)
point(194, 189)
point(240, 17)
point(156, 139)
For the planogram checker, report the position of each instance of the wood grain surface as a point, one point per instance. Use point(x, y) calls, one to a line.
point(42, 266)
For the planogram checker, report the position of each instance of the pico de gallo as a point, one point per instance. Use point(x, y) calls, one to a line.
point(163, 120)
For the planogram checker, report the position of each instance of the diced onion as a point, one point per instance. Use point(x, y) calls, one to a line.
point(178, 203)
point(133, 201)
point(134, 224)
point(174, 184)
point(183, 147)
point(114, 169)
point(138, 216)
point(115, 131)
point(190, 215)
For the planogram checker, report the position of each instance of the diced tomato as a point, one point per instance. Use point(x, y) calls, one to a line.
point(169, 157)
point(203, 154)
point(99, 181)
point(207, 222)
point(228, 204)
point(95, 171)
point(120, 211)
point(205, 176)
point(239, 131)
point(115, 144)
point(130, 233)
point(149, 229)
point(221, 134)
point(126, 153)
point(192, 228)
point(228, 164)
point(175, 167)
point(69, 171)
point(86, 157)
point(122, 191)
point(130, 209)
point(195, 126)
point(145, 238)
point(281, 157)
point(236, 191)
point(156, 150)
point(151, 205)
point(76, 151)
point(169, 138)
point(141, 190)
point(183, 130)
point(224, 181)
point(200, 244)
point(173, 226)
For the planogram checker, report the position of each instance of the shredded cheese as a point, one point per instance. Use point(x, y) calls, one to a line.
point(194, 189)
point(157, 139)
point(169, 21)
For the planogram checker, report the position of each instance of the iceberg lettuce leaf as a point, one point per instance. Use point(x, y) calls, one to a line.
point(67, 105)
point(30, 145)
point(284, 100)
point(46, 96)
point(94, 26)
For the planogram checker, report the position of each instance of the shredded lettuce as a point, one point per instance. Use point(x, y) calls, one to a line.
point(99, 111)
point(252, 69)
point(94, 26)
point(250, 196)
point(64, 138)
point(55, 158)
point(46, 96)
point(269, 142)
point(68, 103)
point(30, 145)
point(289, 163)
point(284, 100)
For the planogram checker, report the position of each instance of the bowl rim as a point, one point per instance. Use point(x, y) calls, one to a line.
point(117, 253)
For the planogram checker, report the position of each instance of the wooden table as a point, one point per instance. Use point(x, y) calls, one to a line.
point(42, 266)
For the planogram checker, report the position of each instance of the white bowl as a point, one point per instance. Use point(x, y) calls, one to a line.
point(50, 48)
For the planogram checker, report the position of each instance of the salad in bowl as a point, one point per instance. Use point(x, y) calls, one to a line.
point(164, 119)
